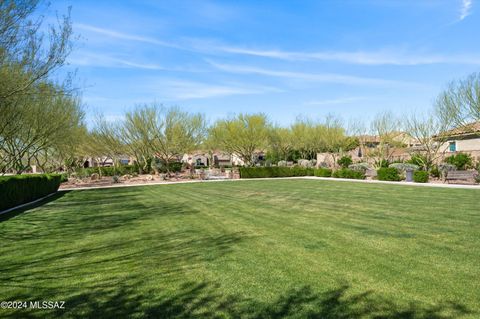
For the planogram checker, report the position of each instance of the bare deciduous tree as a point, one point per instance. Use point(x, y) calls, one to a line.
point(459, 103)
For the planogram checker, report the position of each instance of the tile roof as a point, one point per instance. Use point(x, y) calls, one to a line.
point(471, 128)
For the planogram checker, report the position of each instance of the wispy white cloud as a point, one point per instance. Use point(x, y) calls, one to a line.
point(311, 77)
point(102, 60)
point(124, 36)
point(465, 9)
point(391, 56)
point(341, 100)
point(185, 90)
point(381, 57)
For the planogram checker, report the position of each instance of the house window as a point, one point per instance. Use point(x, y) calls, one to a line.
point(452, 146)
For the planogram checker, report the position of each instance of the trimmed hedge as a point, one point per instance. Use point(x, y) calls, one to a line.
point(323, 172)
point(107, 170)
point(388, 174)
point(420, 177)
point(173, 167)
point(275, 171)
point(20, 189)
point(348, 173)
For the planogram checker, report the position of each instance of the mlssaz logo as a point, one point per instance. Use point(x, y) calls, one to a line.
point(47, 304)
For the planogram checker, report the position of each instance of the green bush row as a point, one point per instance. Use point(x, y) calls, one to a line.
point(173, 167)
point(322, 172)
point(107, 170)
point(20, 189)
point(348, 173)
point(275, 171)
point(384, 173)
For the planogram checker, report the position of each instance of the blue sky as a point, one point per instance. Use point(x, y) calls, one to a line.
point(284, 58)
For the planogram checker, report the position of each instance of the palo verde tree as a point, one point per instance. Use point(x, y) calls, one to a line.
point(304, 132)
point(175, 133)
point(104, 141)
point(28, 96)
point(52, 119)
point(153, 131)
point(281, 142)
point(334, 139)
point(241, 135)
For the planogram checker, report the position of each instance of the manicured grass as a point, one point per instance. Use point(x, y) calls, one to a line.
point(248, 249)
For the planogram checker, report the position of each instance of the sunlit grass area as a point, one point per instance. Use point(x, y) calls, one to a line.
point(249, 249)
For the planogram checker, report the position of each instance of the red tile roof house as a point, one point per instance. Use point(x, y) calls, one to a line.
point(463, 139)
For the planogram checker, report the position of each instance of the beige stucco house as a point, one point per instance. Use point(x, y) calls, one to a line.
point(465, 139)
point(369, 144)
point(202, 158)
point(106, 161)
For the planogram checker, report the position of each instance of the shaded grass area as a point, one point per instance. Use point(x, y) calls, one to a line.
point(247, 249)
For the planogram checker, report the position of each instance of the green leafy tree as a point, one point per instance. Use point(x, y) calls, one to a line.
point(28, 95)
point(242, 135)
point(165, 133)
point(281, 142)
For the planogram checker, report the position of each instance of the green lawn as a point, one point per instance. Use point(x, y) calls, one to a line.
point(247, 249)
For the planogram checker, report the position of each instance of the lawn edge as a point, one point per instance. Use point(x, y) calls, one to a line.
point(458, 186)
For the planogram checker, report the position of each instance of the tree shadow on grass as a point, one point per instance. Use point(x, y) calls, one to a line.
point(86, 213)
point(205, 300)
point(166, 254)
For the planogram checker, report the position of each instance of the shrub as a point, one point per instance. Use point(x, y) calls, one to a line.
point(348, 173)
point(282, 163)
point(461, 161)
point(382, 163)
point(435, 172)
point(388, 174)
point(445, 167)
point(304, 163)
point(345, 161)
point(173, 167)
point(420, 160)
point(420, 177)
point(362, 167)
point(322, 172)
point(20, 189)
point(403, 167)
point(63, 178)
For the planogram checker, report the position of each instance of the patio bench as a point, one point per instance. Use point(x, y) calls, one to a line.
point(467, 176)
